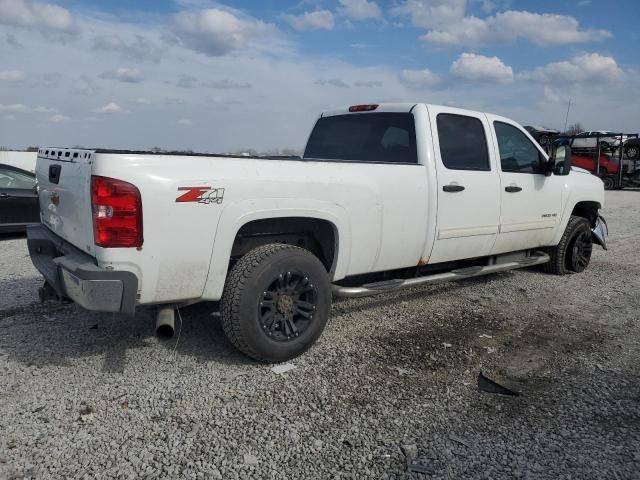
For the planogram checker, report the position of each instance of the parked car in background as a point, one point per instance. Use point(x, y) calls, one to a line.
point(632, 148)
point(19, 159)
point(19, 205)
point(542, 135)
point(608, 170)
point(608, 165)
point(589, 140)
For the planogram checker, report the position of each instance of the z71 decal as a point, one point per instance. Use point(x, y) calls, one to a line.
point(206, 195)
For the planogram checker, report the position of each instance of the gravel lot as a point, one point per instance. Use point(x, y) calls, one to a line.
point(85, 395)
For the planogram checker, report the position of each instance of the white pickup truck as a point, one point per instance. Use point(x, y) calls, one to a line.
point(385, 197)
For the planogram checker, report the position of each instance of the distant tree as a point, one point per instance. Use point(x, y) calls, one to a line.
point(574, 129)
point(32, 149)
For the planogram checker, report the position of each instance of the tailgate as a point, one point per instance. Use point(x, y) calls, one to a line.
point(64, 190)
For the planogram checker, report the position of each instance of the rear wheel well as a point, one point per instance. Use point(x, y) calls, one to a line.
point(588, 210)
point(318, 236)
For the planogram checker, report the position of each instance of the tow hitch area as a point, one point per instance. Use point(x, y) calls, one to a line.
point(600, 232)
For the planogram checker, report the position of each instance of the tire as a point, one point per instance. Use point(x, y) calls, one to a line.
point(573, 252)
point(276, 302)
point(632, 152)
point(609, 182)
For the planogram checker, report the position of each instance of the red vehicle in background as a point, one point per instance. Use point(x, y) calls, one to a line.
point(608, 166)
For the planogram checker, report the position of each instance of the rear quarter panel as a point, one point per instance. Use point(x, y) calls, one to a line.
point(379, 211)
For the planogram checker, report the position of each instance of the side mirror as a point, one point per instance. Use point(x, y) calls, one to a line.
point(560, 161)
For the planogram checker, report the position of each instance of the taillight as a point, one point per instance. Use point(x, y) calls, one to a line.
point(117, 213)
point(363, 108)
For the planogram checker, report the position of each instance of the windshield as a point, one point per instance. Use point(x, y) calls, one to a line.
point(368, 137)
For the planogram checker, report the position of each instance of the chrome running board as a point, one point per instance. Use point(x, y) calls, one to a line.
point(385, 286)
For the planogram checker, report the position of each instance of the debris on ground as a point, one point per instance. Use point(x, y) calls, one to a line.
point(250, 460)
point(487, 385)
point(446, 345)
point(417, 467)
point(455, 438)
point(282, 368)
point(410, 452)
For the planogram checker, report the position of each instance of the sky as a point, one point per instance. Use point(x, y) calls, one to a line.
point(255, 74)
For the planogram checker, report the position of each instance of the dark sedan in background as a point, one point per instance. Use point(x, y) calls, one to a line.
point(18, 199)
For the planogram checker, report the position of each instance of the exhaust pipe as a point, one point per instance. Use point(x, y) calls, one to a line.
point(165, 322)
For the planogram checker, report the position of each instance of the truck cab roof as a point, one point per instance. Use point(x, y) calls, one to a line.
point(388, 107)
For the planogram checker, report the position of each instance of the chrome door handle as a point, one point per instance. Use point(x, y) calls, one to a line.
point(512, 189)
point(453, 188)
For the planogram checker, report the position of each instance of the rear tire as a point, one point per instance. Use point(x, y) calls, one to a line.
point(609, 182)
point(276, 302)
point(573, 252)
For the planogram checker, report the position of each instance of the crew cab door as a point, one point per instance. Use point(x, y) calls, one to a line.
point(530, 201)
point(468, 185)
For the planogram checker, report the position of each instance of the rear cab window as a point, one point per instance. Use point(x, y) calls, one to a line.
point(364, 137)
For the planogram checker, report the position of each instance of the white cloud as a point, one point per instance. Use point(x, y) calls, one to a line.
point(11, 76)
point(591, 68)
point(10, 117)
point(420, 78)
point(359, 9)
point(185, 122)
point(42, 109)
point(368, 83)
point(318, 20)
point(334, 82)
point(216, 32)
point(470, 66)
point(136, 48)
point(23, 13)
point(111, 107)
point(126, 75)
point(58, 118)
point(143, 101)
point(16, 107)
point(226, 84)
point(431, 13)
point(505, 27)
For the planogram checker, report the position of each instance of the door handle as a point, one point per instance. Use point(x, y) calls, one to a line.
point(453, 188)
point(4, 195)
point(512, 189)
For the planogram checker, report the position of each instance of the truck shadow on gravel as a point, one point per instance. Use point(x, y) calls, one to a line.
point(54, 334)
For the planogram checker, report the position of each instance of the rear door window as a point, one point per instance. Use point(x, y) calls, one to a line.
point(463, 142)
point(364, 137)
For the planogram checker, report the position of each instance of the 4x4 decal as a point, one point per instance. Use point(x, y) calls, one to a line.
point(206, 195)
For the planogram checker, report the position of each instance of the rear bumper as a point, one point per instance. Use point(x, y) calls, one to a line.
point(74, 274)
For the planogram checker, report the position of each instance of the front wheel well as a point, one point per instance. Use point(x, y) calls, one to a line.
point(588, 210)
point(318, 236)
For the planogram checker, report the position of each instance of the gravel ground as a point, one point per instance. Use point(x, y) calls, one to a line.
point(85, 395)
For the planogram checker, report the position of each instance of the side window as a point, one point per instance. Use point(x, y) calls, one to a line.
point(12, 179)
point(517, 152)
point(463, 143)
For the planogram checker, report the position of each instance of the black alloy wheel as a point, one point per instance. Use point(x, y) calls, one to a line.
point(286, 308)
point(580, 251)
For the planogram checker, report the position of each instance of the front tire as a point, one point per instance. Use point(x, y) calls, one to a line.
point(573, 252)
point(276, 302)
